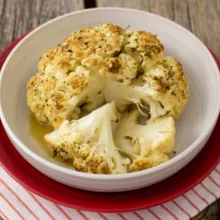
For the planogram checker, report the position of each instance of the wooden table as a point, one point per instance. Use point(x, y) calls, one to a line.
point(202, 17)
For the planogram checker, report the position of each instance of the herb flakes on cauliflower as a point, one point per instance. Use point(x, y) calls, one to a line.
point(128, 71)
point(146, 145)
point(162, 90)
point(88, 142)
point(67, 78)
point(74, 73)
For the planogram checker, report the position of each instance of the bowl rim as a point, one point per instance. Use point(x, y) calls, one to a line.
point(72, 172)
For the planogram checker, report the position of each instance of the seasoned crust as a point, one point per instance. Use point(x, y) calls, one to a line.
point(34, 100)
point(104, 40)
point(62, 71)
point(168, 85)
point(144, 163)
point(73, 75)
point(144, 47)
point(106, 50)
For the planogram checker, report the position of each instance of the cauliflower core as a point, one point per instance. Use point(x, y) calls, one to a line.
point(107, 64)
point(88, 142)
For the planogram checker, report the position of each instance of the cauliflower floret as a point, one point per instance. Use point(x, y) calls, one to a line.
point(68, 78)
point(166, 83)
point(54, 97)
point(144, 47)
point(162, 90)
point(122, 68)
point(93, 62)
point(146, 145)
point(140, 51)
point(88, 142)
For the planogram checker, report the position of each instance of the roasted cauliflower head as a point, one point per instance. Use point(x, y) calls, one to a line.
point(72, 76)
point(109, 74)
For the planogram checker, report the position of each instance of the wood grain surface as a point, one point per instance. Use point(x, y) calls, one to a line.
point(202, 17)
point(20, 16)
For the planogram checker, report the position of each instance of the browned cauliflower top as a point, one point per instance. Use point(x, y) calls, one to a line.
point(108, 64)
point(67, 73)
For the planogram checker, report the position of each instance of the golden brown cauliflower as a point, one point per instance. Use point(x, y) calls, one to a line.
point(88, 142)
point(103, 64)
point(166, 83)
point(54, 97)
point(162, 90)
point(71, 76)
point(63, 85)
point(144, 47)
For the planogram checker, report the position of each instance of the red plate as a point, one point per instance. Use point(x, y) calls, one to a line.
point(159, 193)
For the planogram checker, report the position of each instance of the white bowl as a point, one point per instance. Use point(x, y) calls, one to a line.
point(193, 127)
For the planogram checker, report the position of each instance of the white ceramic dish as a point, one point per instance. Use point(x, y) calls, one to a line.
point(193, 127)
